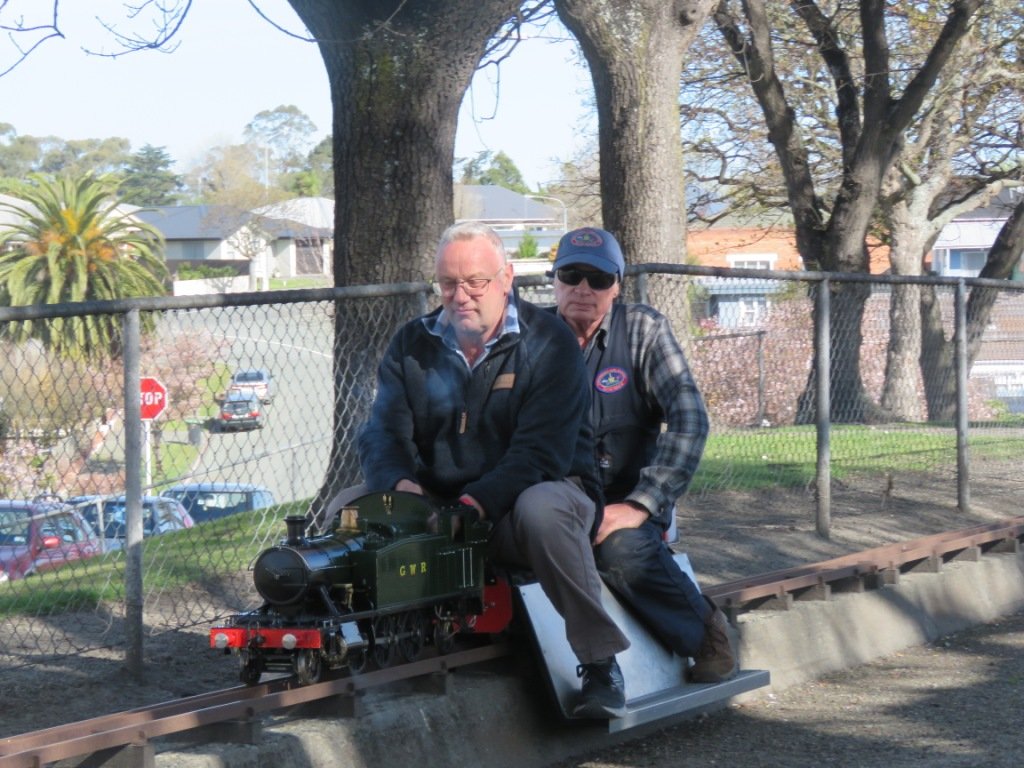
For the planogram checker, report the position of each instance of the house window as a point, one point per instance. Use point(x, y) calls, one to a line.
point(192, 250)
point(752, 260)
point(751, 310)
point(966, 262)
point(738, 311)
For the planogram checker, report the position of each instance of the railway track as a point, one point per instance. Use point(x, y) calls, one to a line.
point(232, 714)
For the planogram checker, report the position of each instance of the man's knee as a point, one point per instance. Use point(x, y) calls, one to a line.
point(626, 554)
point(553, 505)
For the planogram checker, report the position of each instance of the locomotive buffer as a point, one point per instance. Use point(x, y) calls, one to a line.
point(655, 687)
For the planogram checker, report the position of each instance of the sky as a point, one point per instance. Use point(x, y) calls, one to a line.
point(230, 64)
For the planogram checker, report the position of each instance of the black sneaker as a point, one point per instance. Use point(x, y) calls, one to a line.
point(603, 693)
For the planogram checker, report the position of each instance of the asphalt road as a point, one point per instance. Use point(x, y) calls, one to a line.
point(289, 454)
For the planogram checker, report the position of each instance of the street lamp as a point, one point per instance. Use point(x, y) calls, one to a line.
point(565, 209)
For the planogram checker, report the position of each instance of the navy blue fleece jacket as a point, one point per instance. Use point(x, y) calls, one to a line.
point(522, 416)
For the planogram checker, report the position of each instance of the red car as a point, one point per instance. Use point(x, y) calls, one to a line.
point(41, 535)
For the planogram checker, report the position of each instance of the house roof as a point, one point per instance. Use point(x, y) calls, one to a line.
point(999, 208)
point(309, 212)
point(9, 217)
point(299, 218)
point(495, 205)
point(194, 222)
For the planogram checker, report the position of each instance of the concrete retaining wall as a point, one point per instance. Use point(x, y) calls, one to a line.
point(500, 714)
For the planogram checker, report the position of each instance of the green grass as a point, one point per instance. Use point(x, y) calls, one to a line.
point(298, 283)
point(171, 560)
point(787, 456)
point(736, 460)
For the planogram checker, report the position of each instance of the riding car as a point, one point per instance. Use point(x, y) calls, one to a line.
point(210, 501)
point(240, 410)
point(40, 535)
point(108, 514)
point(257, 381)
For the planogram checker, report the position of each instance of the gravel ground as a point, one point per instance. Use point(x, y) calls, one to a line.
point(957, 702)
point(953, 703)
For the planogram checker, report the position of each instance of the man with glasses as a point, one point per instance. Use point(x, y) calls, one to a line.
point(485, 401)
point(650, 425)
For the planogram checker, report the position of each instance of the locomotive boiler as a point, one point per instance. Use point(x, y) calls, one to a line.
point(394, 573)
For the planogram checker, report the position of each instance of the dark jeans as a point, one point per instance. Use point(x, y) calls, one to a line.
point(637, 564)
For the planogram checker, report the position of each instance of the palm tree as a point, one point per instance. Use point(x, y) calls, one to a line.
point(70, 242)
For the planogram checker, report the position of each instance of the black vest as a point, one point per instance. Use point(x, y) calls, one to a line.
point(626, 429)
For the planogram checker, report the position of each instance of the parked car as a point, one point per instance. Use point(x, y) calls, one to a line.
point(257, 381)
point(40, 535)
point(159, 515)
point(240, 410)
point(210, 501)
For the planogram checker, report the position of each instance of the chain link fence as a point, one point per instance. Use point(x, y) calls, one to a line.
point(112, 527)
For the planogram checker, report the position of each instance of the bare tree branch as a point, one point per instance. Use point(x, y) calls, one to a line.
point(18, 28)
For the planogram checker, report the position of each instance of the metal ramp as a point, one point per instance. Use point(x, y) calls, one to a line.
point(653, 674)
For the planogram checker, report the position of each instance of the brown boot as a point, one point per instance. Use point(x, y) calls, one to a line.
point(715, 661)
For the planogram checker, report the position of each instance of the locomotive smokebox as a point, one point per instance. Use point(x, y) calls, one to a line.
point(294, 525)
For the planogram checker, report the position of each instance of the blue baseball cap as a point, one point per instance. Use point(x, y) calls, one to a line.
point(593, 247)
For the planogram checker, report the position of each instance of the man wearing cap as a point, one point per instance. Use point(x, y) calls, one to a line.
point(640, 382)
point(484, 401)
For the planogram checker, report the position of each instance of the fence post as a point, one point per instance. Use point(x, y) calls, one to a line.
point(963, 474)
point(823, 368)
point(761, 397)
point(133, 493)
point(641, 287)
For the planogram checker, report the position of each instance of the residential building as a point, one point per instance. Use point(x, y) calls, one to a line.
point(512, 215)
point(963, 245)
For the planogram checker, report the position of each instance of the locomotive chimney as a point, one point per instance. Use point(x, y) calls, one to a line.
point(294, 524)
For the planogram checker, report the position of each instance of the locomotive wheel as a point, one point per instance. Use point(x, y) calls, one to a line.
point(356, 661)
point(384, 641)
point(411, 634)
point(444, 636)
point(250, 669)
point(307, 667)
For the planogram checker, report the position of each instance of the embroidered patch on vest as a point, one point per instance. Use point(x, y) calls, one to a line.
point(610, 380)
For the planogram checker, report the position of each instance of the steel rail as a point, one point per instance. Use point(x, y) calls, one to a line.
point(773, 589)
point(139, 726)
point(856, 569)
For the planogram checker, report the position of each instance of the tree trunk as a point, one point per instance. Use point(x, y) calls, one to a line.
point(870, 122)
point(398, 73)
point(909, 240)
point(937, 357)
point(635, 51)
point(937, 364)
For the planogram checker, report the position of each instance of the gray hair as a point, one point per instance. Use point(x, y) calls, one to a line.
point(470, 230)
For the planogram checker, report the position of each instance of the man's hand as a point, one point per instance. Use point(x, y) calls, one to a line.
point(409, 487)
point(618, 516)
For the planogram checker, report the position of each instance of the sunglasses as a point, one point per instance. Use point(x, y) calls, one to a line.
point(599, 281)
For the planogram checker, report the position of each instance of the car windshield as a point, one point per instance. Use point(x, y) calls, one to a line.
point(114, 511)
point(239, 404)
point(13, 527)
point(210, 505)
point(249, 377)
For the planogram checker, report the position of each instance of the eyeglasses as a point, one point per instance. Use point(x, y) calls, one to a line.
point(599, 281)
point(474, 286)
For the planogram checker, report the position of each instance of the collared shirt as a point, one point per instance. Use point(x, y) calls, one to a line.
point(441, 327)
point(667, 386)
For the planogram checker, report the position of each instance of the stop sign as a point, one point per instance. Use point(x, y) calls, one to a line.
point(153, 398)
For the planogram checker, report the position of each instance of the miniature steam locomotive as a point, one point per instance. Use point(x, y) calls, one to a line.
point(395, 573)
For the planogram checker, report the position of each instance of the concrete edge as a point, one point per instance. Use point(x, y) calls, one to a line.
point(502, 714)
